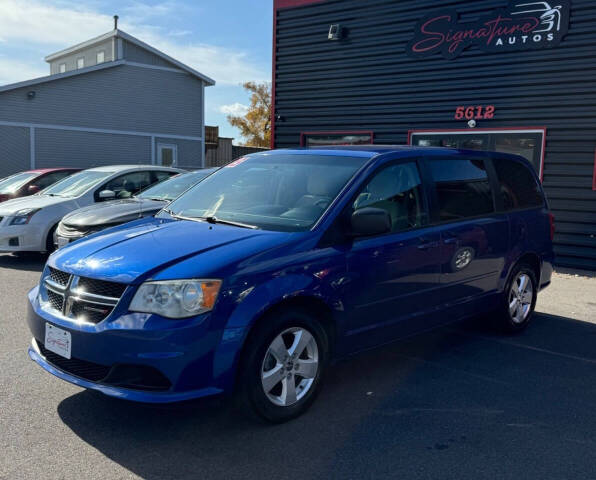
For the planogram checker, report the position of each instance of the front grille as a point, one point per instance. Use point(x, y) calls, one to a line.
point(90, 312)
point(56, 300)
point(101, 287)
point(93, 372)
point(85, 299)
point(61, 278)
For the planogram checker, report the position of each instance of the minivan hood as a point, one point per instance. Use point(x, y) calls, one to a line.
point(34, 201)
point(135, 251)
point(107, 213)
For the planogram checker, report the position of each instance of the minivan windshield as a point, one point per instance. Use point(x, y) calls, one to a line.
point(283, 192)
point(77, 184)
point(14, 182)
point(173, 187)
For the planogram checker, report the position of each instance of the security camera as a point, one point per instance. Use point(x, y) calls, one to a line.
point(335, 32)
point(472, 124)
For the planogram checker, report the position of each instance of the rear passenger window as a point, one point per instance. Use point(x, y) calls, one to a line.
point(519, 188)
point(463, 189)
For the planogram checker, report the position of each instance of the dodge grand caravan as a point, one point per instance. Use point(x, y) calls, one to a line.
point(254, 279)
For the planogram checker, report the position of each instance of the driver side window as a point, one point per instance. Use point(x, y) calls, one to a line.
point(397, 190)
point(129, 184)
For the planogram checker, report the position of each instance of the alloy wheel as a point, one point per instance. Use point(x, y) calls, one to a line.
point(521, 296)
point(290, 366)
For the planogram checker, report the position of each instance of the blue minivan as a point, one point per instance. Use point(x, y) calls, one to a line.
point(255, 279)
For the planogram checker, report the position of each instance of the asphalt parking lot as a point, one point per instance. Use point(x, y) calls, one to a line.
point(462, 402)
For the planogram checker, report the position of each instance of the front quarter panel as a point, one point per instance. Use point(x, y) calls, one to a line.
point(320, 276)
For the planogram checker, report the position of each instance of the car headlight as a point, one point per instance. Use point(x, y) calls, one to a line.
point(22, 217)
point(176, 298)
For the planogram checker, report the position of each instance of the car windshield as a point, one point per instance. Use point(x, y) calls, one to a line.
point(77, 184)
point(14, 182)
point(175, 186)
point(283, 192)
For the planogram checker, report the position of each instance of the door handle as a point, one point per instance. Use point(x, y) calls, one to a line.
point(450, 238)
point(425, 244)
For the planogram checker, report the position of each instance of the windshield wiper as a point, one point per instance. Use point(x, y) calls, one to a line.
point(213, 219)
point(209, 219)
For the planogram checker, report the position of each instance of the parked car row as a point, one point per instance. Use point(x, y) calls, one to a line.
point(29, 223)
point(255, 278)
point(94, 218)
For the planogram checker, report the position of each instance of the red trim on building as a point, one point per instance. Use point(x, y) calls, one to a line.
point(273, 62)
point(485, 130)
point(594, 175)
point(338, 132)
point(277, 5)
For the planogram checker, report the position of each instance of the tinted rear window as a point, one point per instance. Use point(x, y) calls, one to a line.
point(462, 187)
point(519, 187)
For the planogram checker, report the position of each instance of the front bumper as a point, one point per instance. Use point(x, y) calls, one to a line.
point(21, 238)
point(180, 351)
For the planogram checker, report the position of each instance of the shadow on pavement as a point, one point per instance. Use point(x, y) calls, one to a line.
point(461, 402)
point(28, 261)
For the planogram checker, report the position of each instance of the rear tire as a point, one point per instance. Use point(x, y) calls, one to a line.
point(282, 367)
point(519, 300)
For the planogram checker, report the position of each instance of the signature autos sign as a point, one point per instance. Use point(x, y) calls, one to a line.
point(523, 25)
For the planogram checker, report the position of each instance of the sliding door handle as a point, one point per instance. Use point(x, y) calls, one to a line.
point(426, 243)
point(450, 238)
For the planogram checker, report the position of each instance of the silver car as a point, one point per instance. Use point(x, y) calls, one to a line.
point(28, 224)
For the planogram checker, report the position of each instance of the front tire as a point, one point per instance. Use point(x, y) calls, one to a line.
point(519, 299)
point(50, 246)
point(281, 371)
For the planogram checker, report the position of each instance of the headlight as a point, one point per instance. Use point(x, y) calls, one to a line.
point(22, 217)
point(176, 298)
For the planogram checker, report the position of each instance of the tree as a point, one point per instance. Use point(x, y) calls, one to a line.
point(255, 125)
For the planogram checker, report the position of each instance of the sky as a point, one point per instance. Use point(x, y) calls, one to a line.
point(227, 40)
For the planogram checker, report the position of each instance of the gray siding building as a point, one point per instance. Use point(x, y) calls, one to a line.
point(112, 99)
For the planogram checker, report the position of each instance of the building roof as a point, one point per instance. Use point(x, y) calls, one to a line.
point(114, 33)
point(129, 38)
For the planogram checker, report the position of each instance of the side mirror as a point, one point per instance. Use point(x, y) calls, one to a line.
point(107, 195)
point(33, 189)
point(367, 222)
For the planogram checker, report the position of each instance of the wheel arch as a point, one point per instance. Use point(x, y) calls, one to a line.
point(533, 260)
point(530, 258)
point(310, 303)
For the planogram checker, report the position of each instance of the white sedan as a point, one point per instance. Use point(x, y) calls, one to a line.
point(28, 224)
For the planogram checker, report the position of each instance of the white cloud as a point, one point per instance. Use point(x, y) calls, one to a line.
point(57, 26)
point(13, 71)
point(179, 33)
point(143, 11)
point(32, 21)
point(235, 109)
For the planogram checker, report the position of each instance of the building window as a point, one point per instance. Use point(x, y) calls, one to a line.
point(313, 139)
point(101, 56)
point(528, 143)
point(80, 62)
point(62, 68)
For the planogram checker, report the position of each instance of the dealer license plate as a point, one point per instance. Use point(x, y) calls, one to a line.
point(58, 341)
